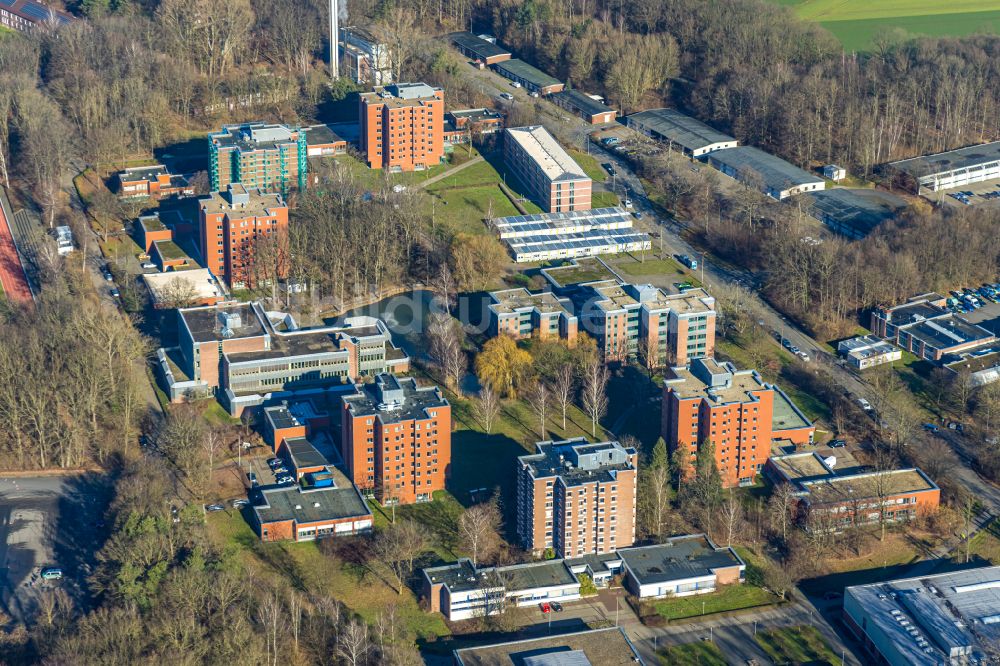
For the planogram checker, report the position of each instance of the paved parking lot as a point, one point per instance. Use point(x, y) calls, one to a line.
point(977, 189)
point(987, 316)
point(48, 521)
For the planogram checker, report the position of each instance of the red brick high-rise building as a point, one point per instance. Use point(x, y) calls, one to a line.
point(396, 439)
point(231, 222)
point(736, 411)
point(402, 127)
point(576, 498)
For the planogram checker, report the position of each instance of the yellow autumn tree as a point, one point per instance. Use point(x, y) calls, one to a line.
point(501, 364)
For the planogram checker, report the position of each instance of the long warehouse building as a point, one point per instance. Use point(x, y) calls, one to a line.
point(954, 168)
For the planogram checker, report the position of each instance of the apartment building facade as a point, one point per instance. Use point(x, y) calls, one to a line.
point(630, 321)
point(365, 59)
point(396, 439)
point(736, 411)
point(402, 127)
point(25, 15)
point(552, 178)
point(231, 223)
point(576, 498)
point(522, 314)
point(271, 158)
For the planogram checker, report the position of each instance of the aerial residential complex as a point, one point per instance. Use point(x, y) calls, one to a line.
point(231, 223)
point(735, 410)
point(521, 314)
point(582, 233)
point(831, 501)
point(237, 351)
point(771, 175)
point(954, 168)
point(402, 127)
point(271, 158)
point(397, 439)
point(673, 128)
point(576, 498)
point(152, 181)
point(553, 179)
point(949, 618)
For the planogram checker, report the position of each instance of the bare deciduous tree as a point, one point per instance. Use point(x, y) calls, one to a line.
point(487, 408)
point(562, 389)
point(479, 530)
point(594, 394)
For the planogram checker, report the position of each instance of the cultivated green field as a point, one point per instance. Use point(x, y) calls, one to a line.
point(856, 22)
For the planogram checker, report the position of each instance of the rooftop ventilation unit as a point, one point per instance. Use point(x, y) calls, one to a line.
point(298, 507)
point(315, 505)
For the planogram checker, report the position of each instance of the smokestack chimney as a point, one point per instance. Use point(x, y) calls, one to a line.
point(335, 38)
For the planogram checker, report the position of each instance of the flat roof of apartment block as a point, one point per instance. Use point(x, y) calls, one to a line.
point(543, 148)
point(600, 647)
point(679, 558)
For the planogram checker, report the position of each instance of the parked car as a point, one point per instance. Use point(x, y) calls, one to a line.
point(556, 606)
point(837, 444)
point(252, 477)
point(174, 514)
point(688, 261)
point(51, 573)
point(506, 96)
point(147, 265)
point(865, 405)
point(544, 607)
point(240, 503)
point(214, 507)
point(107, 275)
point(274, 462)
point(638, 215)
point(115, 293)
point(610, 141)
point(534, 93)
point(610, 168)
point(280, 469)
point(628, 204)
point(930, 427)
point(681, 286)
point(955, 425)
point(284, 479)
point(804, 356)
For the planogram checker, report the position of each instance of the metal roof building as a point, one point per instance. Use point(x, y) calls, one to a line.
point(592, 110)
point(953, 168)
point(669, 125)
point(774, 176)
point(478, 48)
point(944, 619)
point(854, 213)
point(528, 76)
point(584, 233)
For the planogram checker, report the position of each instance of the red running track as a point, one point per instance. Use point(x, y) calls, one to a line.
point(15, 285)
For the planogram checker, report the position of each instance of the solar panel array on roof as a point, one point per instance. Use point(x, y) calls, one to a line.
point(7, 3)
point(34, 11)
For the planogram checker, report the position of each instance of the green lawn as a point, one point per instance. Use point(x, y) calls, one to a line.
point(703, 653)
point(440, 517)
point(304, 567)
point(651, 266)
point(589, 164)
point(856, 22)
point(463, 210)
point(985, 544)
point(728, 598)
point(797, 645)
point(604, 200)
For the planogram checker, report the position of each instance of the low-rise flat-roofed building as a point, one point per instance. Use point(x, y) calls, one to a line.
point(954, 168)
point(771, 175)
point(581, 233)
point(867, 351)
point(192, 287)
point(681, 566)
point(923, 326)
point(294, 513)
point(150, 229)
point(152, 181)
point(170, 256)
point(532, 78)
point(396, 439)
point(834, 172)
point(978, 366)
point(323, 141)
point(670, 126)
point(735, 410)
point(462, 125)
point(594, 111)
point(593, 647)
point(238, 351)
point(461, 591)
point(854, 213)
point(268, 157)
point(553, 179)
point(828, 500)
point(477, 48)
point(576, 498)
point(579, 271)
point(522, 314)
point(949, 618)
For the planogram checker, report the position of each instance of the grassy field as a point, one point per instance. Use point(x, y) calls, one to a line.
point(856, 22)
point(797, 645)
point(589, 164)
point(693, 654)
point(730, 597)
